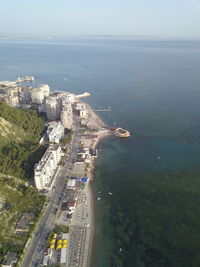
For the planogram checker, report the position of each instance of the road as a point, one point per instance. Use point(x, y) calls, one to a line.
point(35, 248)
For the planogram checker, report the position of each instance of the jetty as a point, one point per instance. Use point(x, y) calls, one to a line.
point(104, 110)
point(120, 132)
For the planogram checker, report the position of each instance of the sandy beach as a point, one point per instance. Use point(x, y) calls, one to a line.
point(102, 131)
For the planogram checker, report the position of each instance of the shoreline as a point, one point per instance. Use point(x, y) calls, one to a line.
point(101, 134)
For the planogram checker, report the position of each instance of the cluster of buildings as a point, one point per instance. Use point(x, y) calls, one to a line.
point(57, 105)
point(59, 108)
point(15, 94)
point(10, 93)
point(86, 154)
point(58, 248)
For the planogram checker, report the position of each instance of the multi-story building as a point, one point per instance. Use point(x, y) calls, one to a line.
point(39, 94)
point(13, 101)
point(55, 132)
point(53, 105)
point(45, 169)
point(10, 94)
point(25, 95)
point(80, 107)
point(53, 108)
point(70, 98)
point(66, 113)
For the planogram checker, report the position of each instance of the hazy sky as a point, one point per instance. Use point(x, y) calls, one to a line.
point(165, 18)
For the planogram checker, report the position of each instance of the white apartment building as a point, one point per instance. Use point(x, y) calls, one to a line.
point(45, 89)
point(82, 110)
point(66, 113)
point(71, 98)
point(39, 94)
point(55, 132)
point(10, 95)
point(53, 108)
point(13, 101)
point(45, 169)
point(80, 106)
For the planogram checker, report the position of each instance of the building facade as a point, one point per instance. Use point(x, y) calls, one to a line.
point(55, 132)
point(39, 94)
point(53, 107)
point(45, 169)
point(66, 115)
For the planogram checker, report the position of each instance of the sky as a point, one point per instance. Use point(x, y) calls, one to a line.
point(160, 18)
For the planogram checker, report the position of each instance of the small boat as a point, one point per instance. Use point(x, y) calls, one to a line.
point(110, 193)
point(99, 192)
point(158, 157)
point(98, 198)
point(120, 249)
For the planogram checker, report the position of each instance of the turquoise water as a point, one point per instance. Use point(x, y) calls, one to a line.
point(153, 89)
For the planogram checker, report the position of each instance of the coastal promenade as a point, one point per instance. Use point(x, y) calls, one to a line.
point(82, 222)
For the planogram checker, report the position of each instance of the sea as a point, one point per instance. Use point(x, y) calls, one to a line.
point(152, 88)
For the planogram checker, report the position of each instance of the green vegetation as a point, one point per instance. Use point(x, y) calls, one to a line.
point(57, 230)
point(15, 199)
point(61, 228)
point(26, 119)
point(21, 131)
point(156, 221)
point(67, 137)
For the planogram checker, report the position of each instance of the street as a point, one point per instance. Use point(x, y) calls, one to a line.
point(35, 248)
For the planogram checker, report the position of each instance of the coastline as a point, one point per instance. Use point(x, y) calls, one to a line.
point(101, 134)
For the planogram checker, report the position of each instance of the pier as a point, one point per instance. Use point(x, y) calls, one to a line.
point(102, 110)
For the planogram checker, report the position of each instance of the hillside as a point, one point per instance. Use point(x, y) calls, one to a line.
point(15, 199)
point(20, 132)
point(25, 124)
point(10, 132)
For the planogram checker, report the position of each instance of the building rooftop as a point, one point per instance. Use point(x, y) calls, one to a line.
point(71, 204)
point(47, 155)
point(24, 222)
point(71, 183)
point(10, 258)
